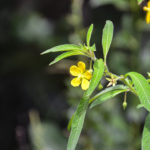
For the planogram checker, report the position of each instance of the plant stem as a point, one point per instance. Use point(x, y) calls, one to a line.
point(126, 82)
point(91, 64)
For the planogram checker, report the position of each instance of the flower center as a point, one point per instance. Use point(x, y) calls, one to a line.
point(81, 75)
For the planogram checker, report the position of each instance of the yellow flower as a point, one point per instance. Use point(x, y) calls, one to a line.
point(82, 76)
point(147, 9)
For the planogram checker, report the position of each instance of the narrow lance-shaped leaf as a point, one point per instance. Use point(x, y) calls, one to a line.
point(97, 75)
point(146, 134)
point(70, 122)
point(139, 106)
point(107, 37)
point(93, 48)
point(89, 33)
point(142, 88)
point(60, 48)
point(107, 94)
point(65, 55)
point(140, 1)
point(78, 119)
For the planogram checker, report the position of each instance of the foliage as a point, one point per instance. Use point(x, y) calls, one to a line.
point(146, 134)
point(139, 1)
point(107, 38)
point(130, 82)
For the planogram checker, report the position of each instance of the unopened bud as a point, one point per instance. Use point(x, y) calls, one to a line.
point(90, 70)
point(148, 74)
point(124, 105)
point(100, 86)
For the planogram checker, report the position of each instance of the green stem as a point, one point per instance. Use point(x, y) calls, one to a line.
point(91, 64)
point(125, 97)
point(126, 82)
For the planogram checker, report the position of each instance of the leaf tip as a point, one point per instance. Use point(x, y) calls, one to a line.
point(53, 62)
point(92, 25)
point(42, 53)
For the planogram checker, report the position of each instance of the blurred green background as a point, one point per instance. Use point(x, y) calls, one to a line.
point(37, 101)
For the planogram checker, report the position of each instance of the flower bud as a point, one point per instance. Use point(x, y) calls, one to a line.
point(100, 86)
point(148, 74)
point(124, 105)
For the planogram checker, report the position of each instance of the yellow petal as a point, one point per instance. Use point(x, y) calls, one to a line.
point(148, 4)
point(85, 84)
point(76, 82)
point(74, 70)
point(145, 8)
point(88, 75)
point(148, 17)
point(82, 66)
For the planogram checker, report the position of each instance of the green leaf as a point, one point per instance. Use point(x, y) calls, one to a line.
point(89, 33)
point(107, 94)
point(93, 48)
point(65, 55)
point(97, 75)
point(70, 122)
point(78, 119)
point(139, 106)
point(60, 48)
point(146, 134)
point(142, 88)
point(140, 1)
point(107, 37)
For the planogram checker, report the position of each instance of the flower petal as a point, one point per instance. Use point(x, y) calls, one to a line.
point(76, 82)
point(146, 8)
point(148, 17)
point(85, 84)
point(82, 66)
point(148, 4)
point(109, 79)
point(109, 84)
point(88, 75)
point(74, 70)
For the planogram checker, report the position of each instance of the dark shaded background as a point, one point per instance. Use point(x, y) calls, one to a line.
point(36, 101)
